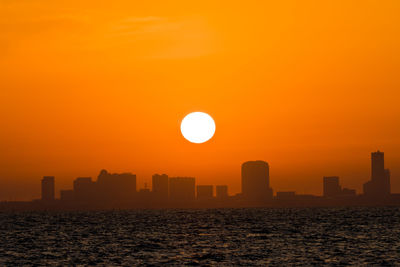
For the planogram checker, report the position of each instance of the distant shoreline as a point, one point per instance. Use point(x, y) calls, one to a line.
point(300, 202)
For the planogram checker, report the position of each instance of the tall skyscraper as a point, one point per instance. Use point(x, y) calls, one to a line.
point(48, 188)
point(205, 192)
point(255, 181)
point(331, 186)
point(379, 185)
point(221, 191)
point(160, 187)
point(182, 189)
point(377, 165)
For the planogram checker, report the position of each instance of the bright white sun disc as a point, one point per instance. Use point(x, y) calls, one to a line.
point(198, 127)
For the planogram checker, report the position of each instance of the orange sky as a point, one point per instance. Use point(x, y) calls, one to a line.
point(312, 87)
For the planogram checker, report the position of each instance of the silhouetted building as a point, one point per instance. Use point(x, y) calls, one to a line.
point(116, 187)
point(144, 195)
point(67, 195)
point(331, 186)
point(84, 189)
point(379, 185)
point(145, 191)
point(48, 188)
point(182, 189)
point(255, 181)
point(387, 182)
point(289, 195)
point(348, 192)
point(160, 187)
point(221, 191)
point(377, 165)
point(204, 192)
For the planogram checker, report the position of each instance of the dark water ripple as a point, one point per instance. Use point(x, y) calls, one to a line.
point(341, 236)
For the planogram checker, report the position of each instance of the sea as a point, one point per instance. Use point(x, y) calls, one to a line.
point(204, 237)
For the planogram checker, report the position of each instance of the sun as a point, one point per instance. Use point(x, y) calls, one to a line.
point(198, 127)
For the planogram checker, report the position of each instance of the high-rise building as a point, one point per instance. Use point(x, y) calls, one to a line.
point(160, 187)
point(379, 185)
point(377, 164)
point(182, 189)
point(255, 181)
point(221, 191)
point(204, 192)
point(331, 186)
point(48, 188)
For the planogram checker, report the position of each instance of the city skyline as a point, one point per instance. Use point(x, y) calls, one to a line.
point(117, 189)
point(309, 87)
point(359, 187)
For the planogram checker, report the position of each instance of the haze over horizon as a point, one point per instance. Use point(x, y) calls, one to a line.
point(312, 88)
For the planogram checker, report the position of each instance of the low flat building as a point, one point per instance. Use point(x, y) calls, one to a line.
point(48, 188)
point(288, 195)
point(67, 195)
point(204, 192)
point(182, 189)
point(221, 191)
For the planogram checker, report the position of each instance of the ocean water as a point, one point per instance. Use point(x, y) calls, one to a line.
point(223, 237)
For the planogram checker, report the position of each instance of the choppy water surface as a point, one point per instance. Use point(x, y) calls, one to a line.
point(357, 236)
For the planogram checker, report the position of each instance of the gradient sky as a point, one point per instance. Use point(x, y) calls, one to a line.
point(311, 87)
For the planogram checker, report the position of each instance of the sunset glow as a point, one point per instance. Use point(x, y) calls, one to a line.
point(311, 87)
